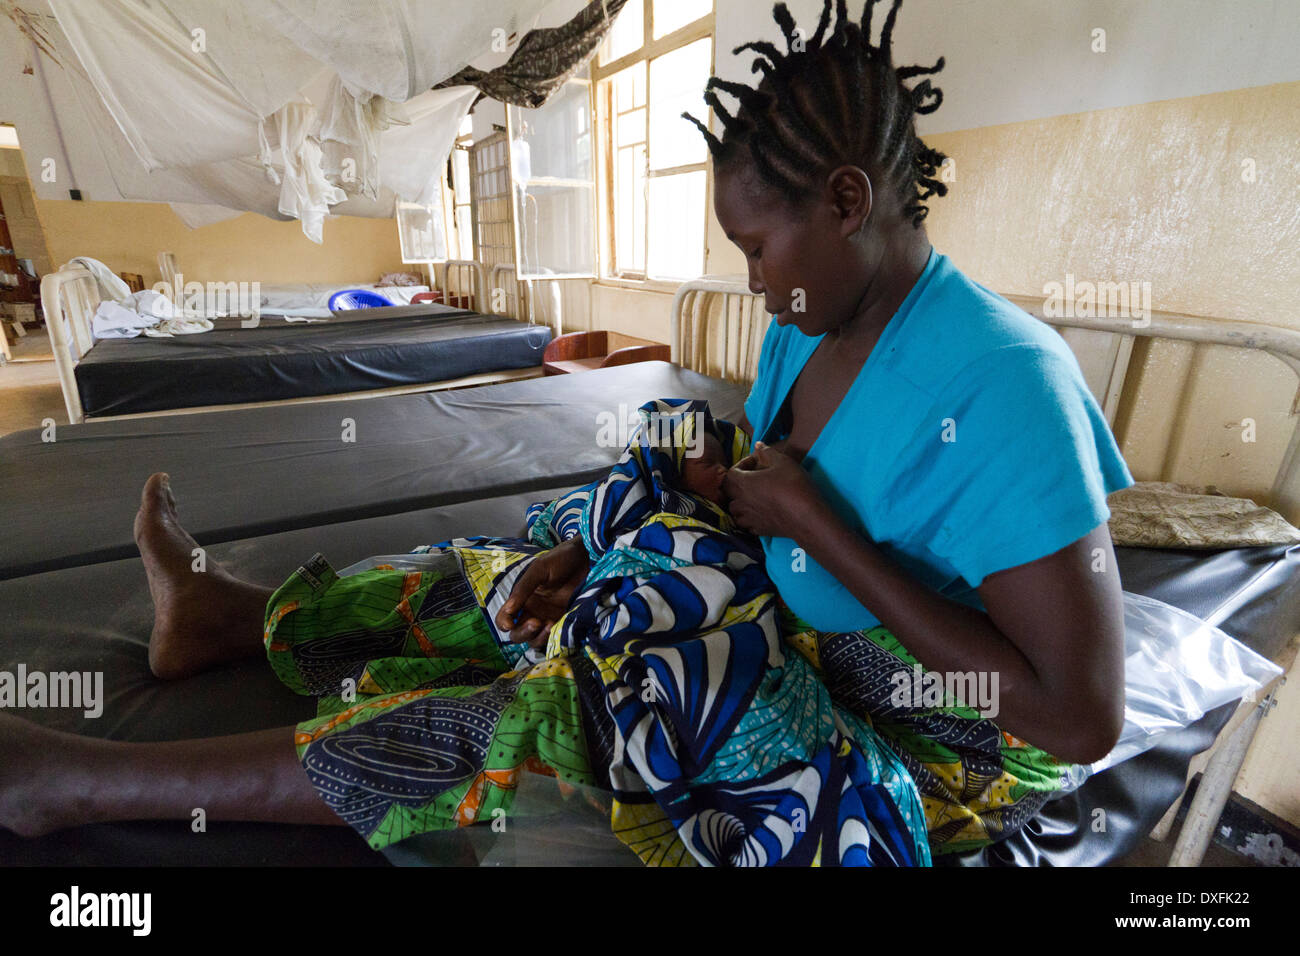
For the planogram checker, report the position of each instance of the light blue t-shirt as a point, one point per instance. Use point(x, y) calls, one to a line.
point(969, 443)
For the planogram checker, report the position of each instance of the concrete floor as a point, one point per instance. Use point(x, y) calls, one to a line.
point(29, 386)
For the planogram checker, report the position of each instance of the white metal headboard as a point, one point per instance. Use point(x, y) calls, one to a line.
point(741, 322)
point(523, 293)
point(721, 309)
point(459, 273)
point(69, 299)
point(512, 290)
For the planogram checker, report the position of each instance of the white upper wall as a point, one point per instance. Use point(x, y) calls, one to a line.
point(1008, 61)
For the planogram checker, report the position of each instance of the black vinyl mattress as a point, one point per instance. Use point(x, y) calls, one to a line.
point(253, 471)
point(277, 360)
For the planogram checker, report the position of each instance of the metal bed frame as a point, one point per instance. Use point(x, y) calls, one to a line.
point(521, 296)
point(717, 329)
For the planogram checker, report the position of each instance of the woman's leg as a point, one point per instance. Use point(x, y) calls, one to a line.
point(50, 780)
point(201, 617)
point(978, 784)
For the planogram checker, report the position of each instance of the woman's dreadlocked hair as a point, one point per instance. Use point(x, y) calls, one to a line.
point(831, 101)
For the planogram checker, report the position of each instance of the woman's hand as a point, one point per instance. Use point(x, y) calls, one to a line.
point(542, 593)
point(772, 495)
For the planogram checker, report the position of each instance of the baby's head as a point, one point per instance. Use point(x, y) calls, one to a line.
point(703, 474)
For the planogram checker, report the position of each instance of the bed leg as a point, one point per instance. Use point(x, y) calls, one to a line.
point(1160, 832)
point(1214, 790)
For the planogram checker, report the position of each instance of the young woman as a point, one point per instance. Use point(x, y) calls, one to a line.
point(936, 470)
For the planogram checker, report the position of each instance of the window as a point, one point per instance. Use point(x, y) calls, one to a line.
point(462, 207)
point(494, 238)
point(421, 232)
point(653, 66)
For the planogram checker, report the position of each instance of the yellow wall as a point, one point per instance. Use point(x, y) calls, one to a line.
point(127, 236)
point(1153, 193)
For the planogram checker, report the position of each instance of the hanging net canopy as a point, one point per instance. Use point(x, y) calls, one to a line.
point(289, 108)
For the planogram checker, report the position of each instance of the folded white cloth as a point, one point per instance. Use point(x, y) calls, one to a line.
point(113, 321)
point(144, 313)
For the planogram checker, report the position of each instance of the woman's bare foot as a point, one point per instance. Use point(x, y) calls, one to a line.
point(33, 777)
point(203, 615)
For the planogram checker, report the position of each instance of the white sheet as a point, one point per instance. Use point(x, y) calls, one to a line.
point(316, 295)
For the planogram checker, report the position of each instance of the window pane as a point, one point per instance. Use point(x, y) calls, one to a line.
point(627, 33)
point(628, 153)
point(460, 174)
point(672, 15)
point(465, 232)
point(420, 229)
point(555, 230)
point(554, 186)
point(629, 210)
point(554, 141)
point(677, 82)
point(629, 88)
point(630, 128)
point(677, 226)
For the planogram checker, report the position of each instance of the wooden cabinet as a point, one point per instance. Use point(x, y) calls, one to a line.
point(583, 351)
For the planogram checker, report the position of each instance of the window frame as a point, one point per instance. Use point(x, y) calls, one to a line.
point(602, 105)
point(461, 196)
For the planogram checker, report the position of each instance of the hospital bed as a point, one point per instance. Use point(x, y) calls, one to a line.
point(375, 352)
point(265, 488)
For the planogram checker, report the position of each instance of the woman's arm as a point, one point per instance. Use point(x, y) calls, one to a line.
point(543, 593)
point(1053, 632)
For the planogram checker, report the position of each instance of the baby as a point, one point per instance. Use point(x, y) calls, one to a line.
point(704, 473)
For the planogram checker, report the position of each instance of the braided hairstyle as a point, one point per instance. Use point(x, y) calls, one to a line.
point(829, 101)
